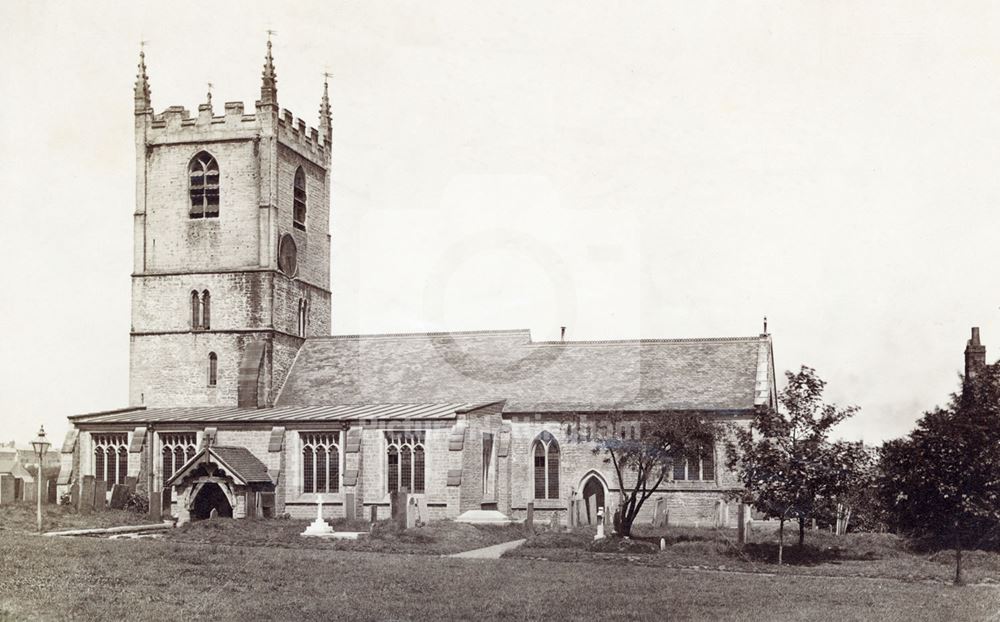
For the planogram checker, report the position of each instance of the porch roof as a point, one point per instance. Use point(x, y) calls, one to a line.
point(238, 463)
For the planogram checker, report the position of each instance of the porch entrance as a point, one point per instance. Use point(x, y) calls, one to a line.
point(211, 497)
point(593, 498)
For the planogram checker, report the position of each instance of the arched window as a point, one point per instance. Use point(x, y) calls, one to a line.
point(303, 316)
point(405, 461)
point(213, 369)
point(546, 466)
point(299, 200)
point(111, 457)
point(206, 309)
point(320, 461)
point(195, 311)
point(204, 188)
point(178, 448)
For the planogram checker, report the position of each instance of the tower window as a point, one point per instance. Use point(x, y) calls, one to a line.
point(201, 310)
point(299, 200)
point(303, 317)
point(213, 369)
point(204, 177)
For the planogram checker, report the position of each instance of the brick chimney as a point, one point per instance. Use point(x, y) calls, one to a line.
point(975, 355)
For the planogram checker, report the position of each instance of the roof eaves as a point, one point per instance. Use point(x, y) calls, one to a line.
point(116, 411)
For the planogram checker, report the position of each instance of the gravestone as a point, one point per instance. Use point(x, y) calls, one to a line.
point(373, 514)
point(350, 509)
point(119, 495)
point(397, 507)
point(529, 518)
point(412, 513)
point(213, 514)
point(154, 505)
point(571, 514)
point(592, 509)
point(100, 494)
point(130, 483)
point(425, 515)
point(53, 493)
point(6, 489)
point(166, 500)
point(74, 495)
point(741, 527)
point(554, 523)
point(87, 494)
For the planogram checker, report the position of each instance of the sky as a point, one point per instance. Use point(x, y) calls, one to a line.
point(642, 169)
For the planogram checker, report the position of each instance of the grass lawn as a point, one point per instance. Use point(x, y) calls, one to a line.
point(860, 555)
point(61, 578)
point(435, 538)
point(21, 517)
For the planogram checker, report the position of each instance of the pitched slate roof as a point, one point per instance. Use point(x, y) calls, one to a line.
point(653, 374)
point(238, 462)
point(222, 414)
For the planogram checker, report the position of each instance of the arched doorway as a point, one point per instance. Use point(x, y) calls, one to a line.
point(593, 497)
point(211, 497)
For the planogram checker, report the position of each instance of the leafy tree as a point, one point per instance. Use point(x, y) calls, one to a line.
point(942, 482)
point(642, 450)
point(787, 466)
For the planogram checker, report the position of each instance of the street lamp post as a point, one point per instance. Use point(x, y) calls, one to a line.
point(40, 445)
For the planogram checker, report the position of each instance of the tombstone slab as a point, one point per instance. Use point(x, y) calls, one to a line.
point(87, 494)
point(74, 495)
point(130, 483)
point(6, 489)
point(119, 495)
point(100, 494)
point(412, 513)
point(397, 507)
point(350, 508)
point(154, 505)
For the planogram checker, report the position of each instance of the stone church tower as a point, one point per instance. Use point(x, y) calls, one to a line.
point(232, 248)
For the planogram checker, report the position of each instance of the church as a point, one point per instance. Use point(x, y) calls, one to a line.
point(242, 403)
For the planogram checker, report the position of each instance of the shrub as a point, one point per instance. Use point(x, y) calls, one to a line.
point(137, 503)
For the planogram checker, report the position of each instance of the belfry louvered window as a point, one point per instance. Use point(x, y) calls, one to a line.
point(299, 200)
point(320, 461)
point(204, 186)
point(176, 449)
point(405, 461)
point(546, 466)
point(111, 457)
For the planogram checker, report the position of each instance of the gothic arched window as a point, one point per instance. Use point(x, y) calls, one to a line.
point(299, 200)
point(204, 187)
point(195, 311)
point(545, 454)
point(320, 461)
point(405, 461)
point(206, 309)
point(303, 316)
point(213, 369)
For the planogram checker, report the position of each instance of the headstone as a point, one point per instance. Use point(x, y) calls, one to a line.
point(213, 514)
point(600, 524)
point(373, 514)
point(119, 495)
point(663, 544)
point(87, 494)
point(318, 527)
point(571, 514)
point(6, 489)
point(100, 494)
point(397, 507)
point(251, 504)
point(350, 509)
point(28, 491)
point(529, 518)
point(592, 509)
point(74, 495)
point(741, 527)
point(130, 483)
point(166, 500)
point(412, 513)
point(554, 523)
point(155, 511)
point(266, 504)
point(53, 493)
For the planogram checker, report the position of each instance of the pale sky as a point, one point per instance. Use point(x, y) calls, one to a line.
point(654, 169)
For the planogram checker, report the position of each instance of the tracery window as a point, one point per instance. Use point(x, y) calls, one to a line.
point(546, 466)
point(694, 465)
point(320, 461)
point(405, 457)
point(176, 449)
point(111, 457)
point(204, 186)
point(299, 200)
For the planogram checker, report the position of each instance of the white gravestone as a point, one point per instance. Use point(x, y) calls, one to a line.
point(318, 527)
